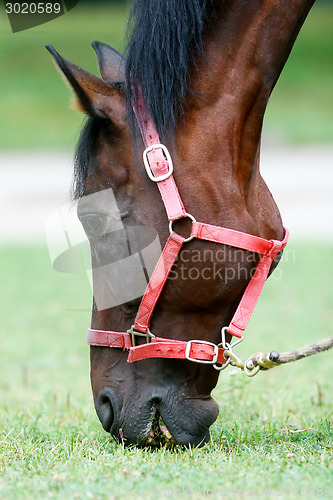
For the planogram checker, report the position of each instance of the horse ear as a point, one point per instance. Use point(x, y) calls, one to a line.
point(111, 63)
point(93, 95)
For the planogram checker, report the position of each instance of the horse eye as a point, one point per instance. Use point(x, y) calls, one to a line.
point(92, 224)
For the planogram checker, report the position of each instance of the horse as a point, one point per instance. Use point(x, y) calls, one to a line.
point(191, 92)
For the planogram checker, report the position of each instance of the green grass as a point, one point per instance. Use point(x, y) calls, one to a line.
point(35, 101)
point(274, 433)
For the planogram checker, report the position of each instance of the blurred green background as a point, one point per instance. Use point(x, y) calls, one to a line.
point(33, 102)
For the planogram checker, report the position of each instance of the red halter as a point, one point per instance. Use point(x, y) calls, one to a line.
point(159, 168)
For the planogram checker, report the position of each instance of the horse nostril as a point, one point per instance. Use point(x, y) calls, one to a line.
point(105, 412)
point(106, 405)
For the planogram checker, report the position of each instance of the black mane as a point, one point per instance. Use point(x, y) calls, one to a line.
point(165, 37)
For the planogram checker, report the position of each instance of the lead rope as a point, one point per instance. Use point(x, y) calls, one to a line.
point(260, 361)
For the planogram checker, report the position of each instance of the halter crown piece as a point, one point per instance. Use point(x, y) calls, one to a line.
point(158, 164)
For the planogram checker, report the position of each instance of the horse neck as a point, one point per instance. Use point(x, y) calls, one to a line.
point(245, 51)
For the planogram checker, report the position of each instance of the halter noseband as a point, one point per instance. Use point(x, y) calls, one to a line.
point(158, 164)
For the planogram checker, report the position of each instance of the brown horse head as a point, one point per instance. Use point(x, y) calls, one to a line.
point(206, 71)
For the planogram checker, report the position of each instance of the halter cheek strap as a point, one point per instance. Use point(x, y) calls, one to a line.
point(159, 168)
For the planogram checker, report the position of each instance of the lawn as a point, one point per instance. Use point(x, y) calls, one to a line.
point(35, 102)
point(274, 435)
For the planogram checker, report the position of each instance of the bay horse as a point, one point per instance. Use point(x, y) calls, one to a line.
point(197, 78)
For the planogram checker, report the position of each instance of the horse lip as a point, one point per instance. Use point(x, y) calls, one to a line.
point(188, 439)
point(180, 436)
point(185, 437)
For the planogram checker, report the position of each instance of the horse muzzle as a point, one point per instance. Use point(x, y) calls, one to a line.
point(162, 418)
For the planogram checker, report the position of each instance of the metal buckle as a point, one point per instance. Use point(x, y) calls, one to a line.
point(147, 166)
point(227, 348)
point(133, 333)
point(204, 362)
